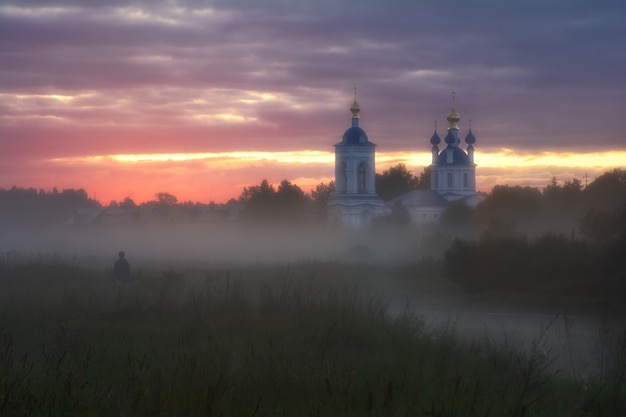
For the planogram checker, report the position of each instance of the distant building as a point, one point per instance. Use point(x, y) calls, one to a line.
point(111, 216)
point(107, 216)
point(453, 172)
point(83, 216)
point(453, 177)
point(355, 202)
point(423, 206)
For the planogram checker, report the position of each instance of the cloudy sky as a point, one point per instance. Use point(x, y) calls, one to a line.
point(201, 98)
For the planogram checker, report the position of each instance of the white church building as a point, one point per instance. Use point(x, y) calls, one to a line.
point(355, 202)
point(453, 171)
point(453, 177)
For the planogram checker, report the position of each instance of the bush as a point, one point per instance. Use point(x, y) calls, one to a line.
point(550, 264)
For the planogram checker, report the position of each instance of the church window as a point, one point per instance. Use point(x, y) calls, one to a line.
point(465, 184)
point(344, 178)
point(362, 178)
point(450, 180)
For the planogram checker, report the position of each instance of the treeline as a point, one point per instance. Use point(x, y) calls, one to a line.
point(40, 207)
point(288, 203)
point(549, 264)
point(570, 208)
point(264, 203)
point(514, 210)
point(565, 239)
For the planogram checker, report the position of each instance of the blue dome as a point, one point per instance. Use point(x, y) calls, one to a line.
point(435, 139)
point(470, 139)
point(450, 139)
point(459, 157)
point(355, 136)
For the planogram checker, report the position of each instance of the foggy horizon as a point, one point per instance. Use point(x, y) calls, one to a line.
point(127, 99)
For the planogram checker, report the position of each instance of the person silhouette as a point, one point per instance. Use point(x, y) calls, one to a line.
point(121, 269)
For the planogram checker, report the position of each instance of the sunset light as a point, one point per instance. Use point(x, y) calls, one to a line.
point(305, 207)
point(220, 176)
point(201, 100)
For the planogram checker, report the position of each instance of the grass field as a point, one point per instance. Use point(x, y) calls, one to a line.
point(307, 339)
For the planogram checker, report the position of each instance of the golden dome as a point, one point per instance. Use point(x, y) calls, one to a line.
point(453, 116)
point(355, 108)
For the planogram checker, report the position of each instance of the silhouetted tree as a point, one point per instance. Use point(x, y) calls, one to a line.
point(264, 202)
point(607, 192)
point(424, 179)
point(458, 219)
point(508, 210)
point(321, 194)
point(562, 206)
point(292, 202)
point(165, 199)
point(551, 264)
point(128, 203)
point(290, 194)
point(552, 189)
point(395, 181)
point(257, 194)
point(31, 207)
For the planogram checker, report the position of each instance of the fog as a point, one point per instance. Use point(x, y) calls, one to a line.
point(576, 344)
point(572, 335)
point(214, 243)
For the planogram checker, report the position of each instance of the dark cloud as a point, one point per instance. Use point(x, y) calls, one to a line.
point(531, 75)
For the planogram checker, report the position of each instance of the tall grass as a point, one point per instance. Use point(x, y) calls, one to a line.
point(228, 343)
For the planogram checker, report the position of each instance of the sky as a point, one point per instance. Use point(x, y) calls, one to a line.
point(202, 98)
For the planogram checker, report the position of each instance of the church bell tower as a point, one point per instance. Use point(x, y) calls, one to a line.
point(355, 201)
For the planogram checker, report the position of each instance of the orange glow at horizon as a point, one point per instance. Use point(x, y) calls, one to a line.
point(219, 176)
point(502, 159)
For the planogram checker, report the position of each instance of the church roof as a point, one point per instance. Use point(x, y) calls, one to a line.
point(355, 136)
point(450, 139)
point(470, 139)
point(459, 157)
point(435, 139)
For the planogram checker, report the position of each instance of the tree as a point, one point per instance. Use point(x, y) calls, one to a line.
point(553, 189)
point(264, 202)
point(259, 201)
point(321, 194)
point(290, 194)
point(608, 191)
point(602, 227)
point(37, 207)
point(395, 181)
point(508, 210)
point(128, 203)
point(257, 194)
point(457, 220)
point(424, 179)
point(166, 199)
point(562, 205)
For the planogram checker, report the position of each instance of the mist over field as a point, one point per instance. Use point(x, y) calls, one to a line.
point(387, 264)
point(215, 243)
point(522, 296)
